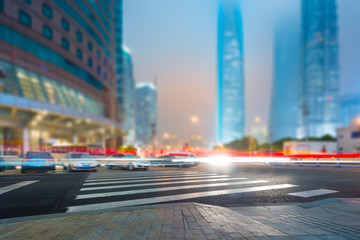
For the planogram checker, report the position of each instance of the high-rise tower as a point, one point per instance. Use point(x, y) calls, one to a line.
point(283, 110)
point(319, 70)
point(146, 113)
point(231, 109)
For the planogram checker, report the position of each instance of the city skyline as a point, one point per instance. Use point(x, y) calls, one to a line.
point(199, 26)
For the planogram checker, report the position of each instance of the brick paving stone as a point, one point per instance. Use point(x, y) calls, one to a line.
point(188, 235)
point(166, 236)
point(196, 221)
point(179, 233)
point(207, 229)
point(212, 236)
point(199, 237)
point(167, 228)
point(154, 234)
point(222, 234)
point(194, 226)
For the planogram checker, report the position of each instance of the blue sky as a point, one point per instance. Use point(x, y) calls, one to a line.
point(176, 40)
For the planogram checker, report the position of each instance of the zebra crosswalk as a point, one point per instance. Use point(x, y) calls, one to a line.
point(104, 192)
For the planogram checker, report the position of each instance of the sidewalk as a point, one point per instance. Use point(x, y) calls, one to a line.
point(326, 219)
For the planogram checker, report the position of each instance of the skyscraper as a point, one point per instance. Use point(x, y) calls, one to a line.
point(230, 105)
point(146, 113)
point(349, 108)
point(126, 96)
point(57, 73)
point(319, 70)
point(283, 113)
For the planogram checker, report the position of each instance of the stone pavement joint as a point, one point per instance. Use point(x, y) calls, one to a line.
point(333, 219)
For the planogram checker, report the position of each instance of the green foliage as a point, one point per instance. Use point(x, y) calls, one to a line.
point(127, 148)
point(264, 147)
point(278, 145)
point(244, 144)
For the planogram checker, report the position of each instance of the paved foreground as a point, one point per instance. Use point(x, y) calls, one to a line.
point(326, 219)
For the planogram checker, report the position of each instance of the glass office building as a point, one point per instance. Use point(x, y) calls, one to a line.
point(283, 111)
point(349, 108)
point(57, 73)
point(126, 97)
point(230, 102)
point(146, 113)
point(318, 112)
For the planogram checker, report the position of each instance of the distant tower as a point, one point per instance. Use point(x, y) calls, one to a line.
point(230, 106)
point(283, 112)
point(318, 112)
point(127, 98)
point(146, 113)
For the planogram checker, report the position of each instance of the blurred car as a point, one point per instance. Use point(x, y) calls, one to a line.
point(175, 160)
point(2, 164)
point(80, 162)
point(38, 161)
point(127, 161)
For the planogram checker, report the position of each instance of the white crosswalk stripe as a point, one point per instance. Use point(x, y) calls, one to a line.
point(176, 197)
point(152, 180)
point(312, 193)
point(149, 177)
point(99, 177)
point(112, 192)
point(161, 183)
point(121, 193)
point(16, 186)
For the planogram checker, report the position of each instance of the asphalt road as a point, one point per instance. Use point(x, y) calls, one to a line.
point(60, 191)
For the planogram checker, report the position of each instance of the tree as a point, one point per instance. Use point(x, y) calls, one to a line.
point(278, 145)
point(244, 144)
point(127, 148)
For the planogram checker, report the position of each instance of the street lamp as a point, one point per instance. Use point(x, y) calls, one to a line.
point(194, 119)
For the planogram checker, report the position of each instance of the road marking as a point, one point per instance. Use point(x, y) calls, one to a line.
point(153, 184)
point(110, 194)
point(155, 180)
point(312, 193)
point(15, 186)
point(152, 200)
point(155, 176)
point(91, 177)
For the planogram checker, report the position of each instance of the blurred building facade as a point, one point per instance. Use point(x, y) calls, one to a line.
point(283, 109)
point(318, 112)
point(348, 137)
point(146, 113)
point(230, 88)
point(349, 108)
point(57, 64)
point(126, 97)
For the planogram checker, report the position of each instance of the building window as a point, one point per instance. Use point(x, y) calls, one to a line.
point(98, 69)
point(90, 46)
point(24, 18)
point(47, 11)
point(65, 24)
point(65, 43)
point(79, 36)
point(90, 62)
point(78, 53)
point(1, 5)
point(47, 32)
point(27, 1)
point(98, 54)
